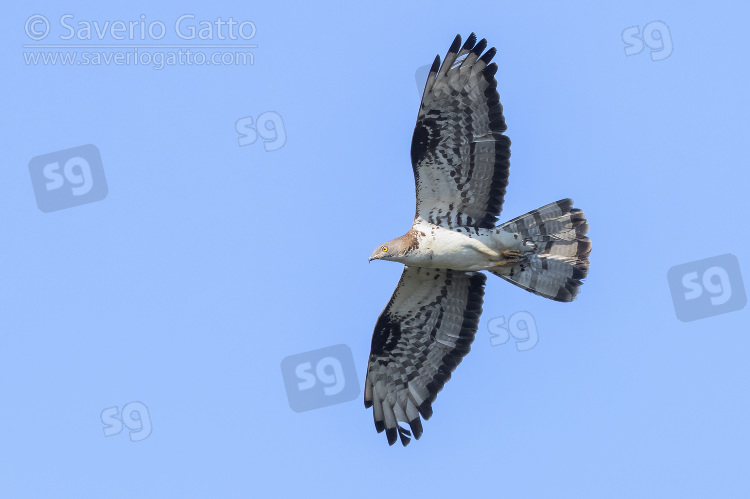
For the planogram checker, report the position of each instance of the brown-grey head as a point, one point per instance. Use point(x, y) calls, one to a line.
point(396, 249)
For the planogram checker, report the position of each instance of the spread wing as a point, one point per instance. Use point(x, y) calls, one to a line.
point(458, 151)
point(420, 337)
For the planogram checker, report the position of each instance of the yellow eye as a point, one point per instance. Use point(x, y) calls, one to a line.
point(385, 249)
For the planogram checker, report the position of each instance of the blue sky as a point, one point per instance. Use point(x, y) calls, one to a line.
point(207, 262)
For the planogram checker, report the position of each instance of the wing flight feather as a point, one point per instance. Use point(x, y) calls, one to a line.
point(420, 337)
point(459, 154)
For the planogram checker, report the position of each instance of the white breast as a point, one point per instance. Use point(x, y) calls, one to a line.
point(453, 249)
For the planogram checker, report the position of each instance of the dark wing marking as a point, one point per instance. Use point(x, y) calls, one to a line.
point(458, 151)
point(420, 337)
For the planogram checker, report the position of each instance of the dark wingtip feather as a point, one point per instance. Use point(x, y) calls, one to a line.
point(379, 426)
point(490, 70)
point(470, 42)
point(416, 427)
point(392, 435)
point(479, 47)
point(425, 409)
point(456, 43)
point(368, 404)
point(404, 436)
point(435, 64)
point(487, 57)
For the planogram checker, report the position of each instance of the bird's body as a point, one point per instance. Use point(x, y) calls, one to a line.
point(467, 249)
point(461, 160)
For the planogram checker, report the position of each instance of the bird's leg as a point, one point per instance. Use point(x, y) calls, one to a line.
point(510, 257)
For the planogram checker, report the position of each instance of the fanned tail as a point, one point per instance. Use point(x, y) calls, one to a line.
point(560, 255)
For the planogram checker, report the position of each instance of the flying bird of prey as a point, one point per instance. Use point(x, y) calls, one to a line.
point(460, 159)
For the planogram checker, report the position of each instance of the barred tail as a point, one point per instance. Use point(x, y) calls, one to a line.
point(560, 258)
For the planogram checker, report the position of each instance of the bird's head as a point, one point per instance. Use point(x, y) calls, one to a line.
point(394, 250)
